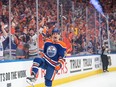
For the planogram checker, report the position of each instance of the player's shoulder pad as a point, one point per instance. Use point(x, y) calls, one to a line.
point(62, 44)
point(49, 40)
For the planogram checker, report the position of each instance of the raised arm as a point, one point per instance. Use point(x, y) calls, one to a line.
point(3, 29)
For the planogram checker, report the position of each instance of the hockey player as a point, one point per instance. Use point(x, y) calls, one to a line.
point(51, 59)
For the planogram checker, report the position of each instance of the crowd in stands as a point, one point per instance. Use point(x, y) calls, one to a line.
point(80, 28)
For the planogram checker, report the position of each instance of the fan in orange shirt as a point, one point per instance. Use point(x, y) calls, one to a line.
point(66, 39)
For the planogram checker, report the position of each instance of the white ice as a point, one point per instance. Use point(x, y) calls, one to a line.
point(107, 79)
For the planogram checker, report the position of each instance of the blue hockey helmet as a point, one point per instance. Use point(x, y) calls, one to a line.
point(55, 30)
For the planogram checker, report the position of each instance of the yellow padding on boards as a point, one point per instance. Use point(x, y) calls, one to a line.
point(75, 77)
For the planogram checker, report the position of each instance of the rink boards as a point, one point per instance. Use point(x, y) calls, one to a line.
point(14, 73)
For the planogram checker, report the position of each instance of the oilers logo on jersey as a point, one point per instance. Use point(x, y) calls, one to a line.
point(51, 51)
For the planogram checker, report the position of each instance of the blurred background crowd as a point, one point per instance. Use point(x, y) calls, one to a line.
point(82, 28)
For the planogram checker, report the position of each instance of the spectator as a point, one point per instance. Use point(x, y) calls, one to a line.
point(20, 52)
point(3, 36)
point(33, 49)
